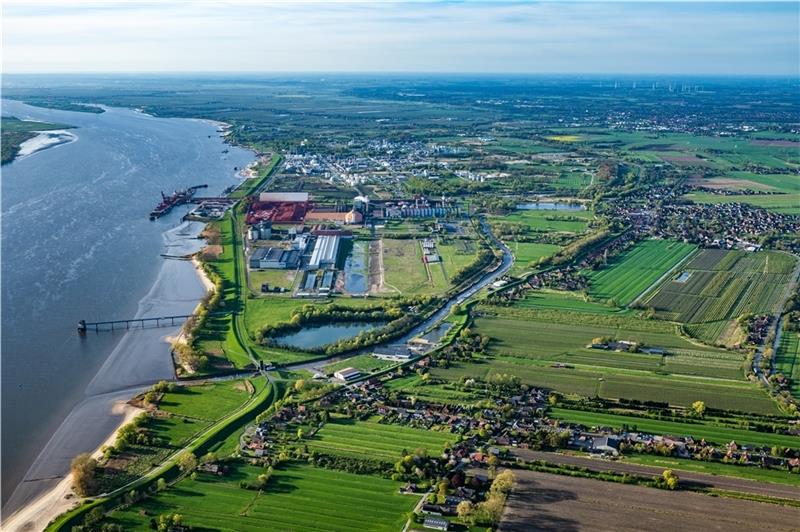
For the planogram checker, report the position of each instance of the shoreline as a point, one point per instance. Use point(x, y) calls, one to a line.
point(140, 359)
point(45, 140)
point(38, 513)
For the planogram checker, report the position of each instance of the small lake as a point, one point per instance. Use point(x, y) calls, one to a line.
point(316, 337)
point(355, 268)
point(550, 206)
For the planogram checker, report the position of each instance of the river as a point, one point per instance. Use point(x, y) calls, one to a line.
point(77, 244)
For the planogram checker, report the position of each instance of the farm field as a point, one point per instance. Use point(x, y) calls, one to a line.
point(298, 498)
point(526, 253)
point(548, 221)
point(717, 435)
point(532, 343)
point(787, 360)
point(782, 203)
point(613, 383)
point(207, 402)
point(631, 273)
point(717, 286)
point(554, 300)
point(716, 468)
point(542, 501)
point(375, 440)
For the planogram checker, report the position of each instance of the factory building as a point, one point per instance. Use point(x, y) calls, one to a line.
point(325, 250)
point(274, 259)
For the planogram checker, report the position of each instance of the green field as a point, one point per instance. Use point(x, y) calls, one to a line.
point(526, 253)
point(546, 221)
point(715, 468)
point(631, 273)
point(787, 360)
point(554, 300)
point(616, 384)
point(721, 286)
point(206, 402)
point(376, 440)
point(788, 203)
point(403, 266)
point(530, 342)
point(297, 498)
point(717, 435)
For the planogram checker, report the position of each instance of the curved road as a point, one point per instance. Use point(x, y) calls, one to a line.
point(435, 318)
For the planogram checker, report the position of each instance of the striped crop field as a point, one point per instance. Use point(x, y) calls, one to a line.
point(718, 286)
point(787, 360)
point(298, 498)
point(368, 439)
point(635, 270)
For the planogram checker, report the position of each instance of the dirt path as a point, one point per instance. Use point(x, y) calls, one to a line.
point(541, 501)
point(721, 482)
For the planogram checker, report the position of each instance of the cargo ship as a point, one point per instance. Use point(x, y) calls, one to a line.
point(179, 197)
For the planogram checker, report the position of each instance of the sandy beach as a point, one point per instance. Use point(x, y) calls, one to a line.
point(141, 359)
point(60, 498)
point(45, 140)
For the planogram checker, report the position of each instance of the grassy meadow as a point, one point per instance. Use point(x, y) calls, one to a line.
point(298, 498)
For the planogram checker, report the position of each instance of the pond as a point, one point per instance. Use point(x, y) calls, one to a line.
point(356, 273)
point(322, 335)
point(550, 206)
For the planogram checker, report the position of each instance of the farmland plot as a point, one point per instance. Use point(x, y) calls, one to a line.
point(297, 498)
point(636, 269)
point(375, 440)
point(718, 286)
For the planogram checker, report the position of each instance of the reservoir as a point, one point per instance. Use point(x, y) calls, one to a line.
point(77, 244)
point(316, 337)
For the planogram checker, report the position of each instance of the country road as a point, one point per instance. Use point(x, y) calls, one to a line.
point(701, 479)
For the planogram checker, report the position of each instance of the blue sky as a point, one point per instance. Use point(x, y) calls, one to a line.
point(486, 37)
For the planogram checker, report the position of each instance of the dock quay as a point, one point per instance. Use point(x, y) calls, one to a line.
point(160, 321)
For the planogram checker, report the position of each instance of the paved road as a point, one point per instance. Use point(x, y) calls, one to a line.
point(711, 481)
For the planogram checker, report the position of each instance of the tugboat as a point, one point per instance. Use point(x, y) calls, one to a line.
point(179, 197)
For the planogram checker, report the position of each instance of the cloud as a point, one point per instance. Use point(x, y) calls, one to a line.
point(239, 36)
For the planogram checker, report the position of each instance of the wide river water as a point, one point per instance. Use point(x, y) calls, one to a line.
point(77, 244)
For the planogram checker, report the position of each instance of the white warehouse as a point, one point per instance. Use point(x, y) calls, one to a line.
point(325, 250)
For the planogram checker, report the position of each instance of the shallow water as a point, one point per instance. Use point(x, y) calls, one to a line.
point(314, 337)
point(355, 268)
point(77, 244)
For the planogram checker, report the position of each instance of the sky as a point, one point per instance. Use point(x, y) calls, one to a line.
point(728, 38)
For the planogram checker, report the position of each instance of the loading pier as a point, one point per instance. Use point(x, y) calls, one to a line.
point(160, 321)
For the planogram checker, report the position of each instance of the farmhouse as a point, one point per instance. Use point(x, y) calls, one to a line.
point(347, 374)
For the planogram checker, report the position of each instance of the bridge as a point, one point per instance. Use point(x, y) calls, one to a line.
point(160, 321)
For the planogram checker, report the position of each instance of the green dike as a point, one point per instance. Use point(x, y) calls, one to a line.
point(718, 435)
point(715, 468)
point(220, 431)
